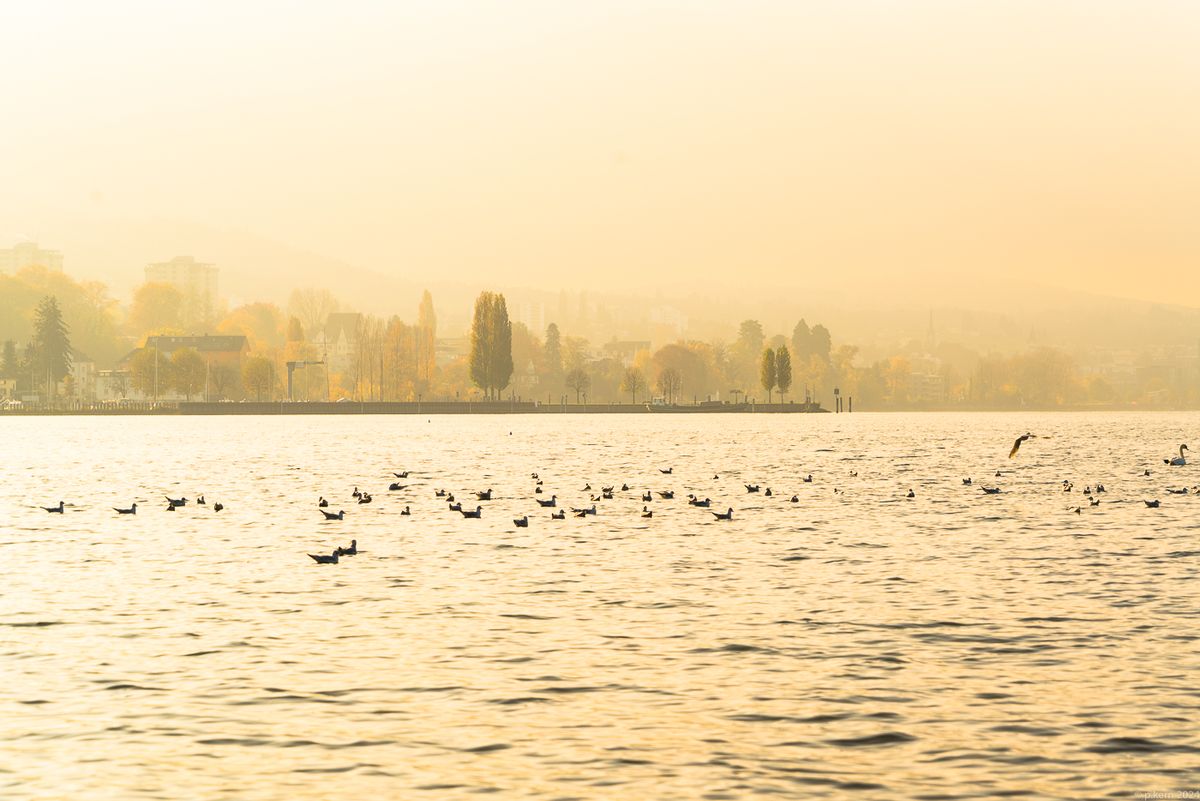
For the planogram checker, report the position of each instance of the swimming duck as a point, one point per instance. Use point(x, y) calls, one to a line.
point(322, 503)
point(561, 514)
point(478, 513)
point(132, 510)
point(351, 551)
point(485, 495)
point(1152, 504)
point(58, 510)
point(548, 504)
point(726, 515)
point(331, 516)
point(646, 496)
point(521, 522)
point(405, 511)
point(332, 559)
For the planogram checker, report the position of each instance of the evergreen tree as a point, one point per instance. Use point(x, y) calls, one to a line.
point(766, 371)
point(553, 350)
point(9, 366)
point(481, 344)
point(52, 344)
point(783, 370)
point(802, 341)
point(822, 342)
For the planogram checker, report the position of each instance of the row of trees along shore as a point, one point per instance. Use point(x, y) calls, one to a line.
point(50, 322)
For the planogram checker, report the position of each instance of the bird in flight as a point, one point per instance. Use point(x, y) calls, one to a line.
point(1017, 445)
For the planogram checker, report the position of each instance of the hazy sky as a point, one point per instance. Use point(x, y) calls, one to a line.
point(585, 144)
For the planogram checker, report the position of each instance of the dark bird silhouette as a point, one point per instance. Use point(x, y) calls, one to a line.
point(58, 510)
point(646, 496)
point(990, 490)
point(537, 490)
point(1152, 504)
point(767, 494)
point(795, 499)
point(666, 472)
point(967, 482)
point(176, 501)
point(322, 503)
point(331, 516)
point(132, 510)
point(439, 493)
point(365, 498)
point(726, 515)
point(405, 511)
point(170, 507)
point(401, 475)
point(808, 479)
point(521, 522)
point(486, 495)
point(548, 504)
point(456, 507)
point(624, 488)
point(694, 501)
point(1095, 501)
point(751, 488)
point(478, 513)
point(218, 506)
point(559, 515)
point(1017, 445)
point(587, 487)
point(395, 486)
point(667, 495)
point(587, 511)
point(911, 494)
point(356, 493)
point(351, 551)
point(332, 559)
point(201, 502)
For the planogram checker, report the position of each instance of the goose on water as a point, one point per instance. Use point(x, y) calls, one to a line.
point(132, 510)
point(1178, 461)
point(332, 559)
point(55, 509)
point(331, 516)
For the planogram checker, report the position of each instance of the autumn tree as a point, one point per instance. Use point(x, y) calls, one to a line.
point(258, 376)
point(312, 307)
point(766, 372)
point(578, 380)
point(783, 370)
point(633, 382)
point(150, 372)
point(187, 371)
point(157, 309)
point(669, 383)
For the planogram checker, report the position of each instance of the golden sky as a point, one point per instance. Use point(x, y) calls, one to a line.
point(656, 143)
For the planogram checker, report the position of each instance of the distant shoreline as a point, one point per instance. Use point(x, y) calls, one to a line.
point(426, 407)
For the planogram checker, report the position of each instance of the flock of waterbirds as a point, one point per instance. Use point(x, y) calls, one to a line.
point(609, 493)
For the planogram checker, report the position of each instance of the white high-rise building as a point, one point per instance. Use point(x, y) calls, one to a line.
point(28, 254)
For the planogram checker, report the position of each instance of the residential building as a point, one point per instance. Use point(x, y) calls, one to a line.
point(28, 254)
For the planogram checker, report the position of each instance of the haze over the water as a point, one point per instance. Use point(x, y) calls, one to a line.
point(646, 144)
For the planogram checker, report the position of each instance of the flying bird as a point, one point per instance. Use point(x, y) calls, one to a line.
point(1017, 445)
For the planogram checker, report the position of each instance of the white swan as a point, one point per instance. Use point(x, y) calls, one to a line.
point(1178, 461)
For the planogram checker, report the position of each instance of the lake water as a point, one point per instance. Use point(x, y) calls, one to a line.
point(857, 642)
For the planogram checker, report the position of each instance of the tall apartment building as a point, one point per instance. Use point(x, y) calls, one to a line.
point(28, 254)
point(197, 283)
